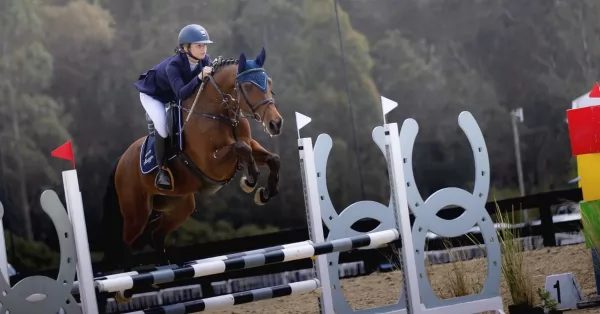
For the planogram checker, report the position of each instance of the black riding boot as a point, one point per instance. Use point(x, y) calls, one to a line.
point(164, 177)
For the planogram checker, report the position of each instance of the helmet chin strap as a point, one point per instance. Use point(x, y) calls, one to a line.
point(190, 54)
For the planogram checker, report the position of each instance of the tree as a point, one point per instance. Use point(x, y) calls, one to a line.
point(27, 71)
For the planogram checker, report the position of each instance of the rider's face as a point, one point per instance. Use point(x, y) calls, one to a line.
point(198, 50)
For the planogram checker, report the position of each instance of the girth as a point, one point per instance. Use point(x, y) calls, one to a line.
point(209, 185)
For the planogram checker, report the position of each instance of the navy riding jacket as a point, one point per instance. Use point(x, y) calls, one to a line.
point(172, 79)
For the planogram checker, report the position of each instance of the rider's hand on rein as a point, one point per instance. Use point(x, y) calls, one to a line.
point(205, 72)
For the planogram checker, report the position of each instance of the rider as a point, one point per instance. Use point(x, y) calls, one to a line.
point(173, 79)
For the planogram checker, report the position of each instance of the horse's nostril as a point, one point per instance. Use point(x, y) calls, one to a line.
point(275, 126)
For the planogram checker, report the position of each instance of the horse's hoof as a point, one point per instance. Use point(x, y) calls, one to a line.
point(246, 185)
point(259, 197)
point(120, 297)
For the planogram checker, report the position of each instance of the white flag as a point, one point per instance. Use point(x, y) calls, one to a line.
point(387, 105)
point(302, 120)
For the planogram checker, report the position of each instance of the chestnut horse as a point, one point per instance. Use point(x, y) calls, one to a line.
point(210, 141)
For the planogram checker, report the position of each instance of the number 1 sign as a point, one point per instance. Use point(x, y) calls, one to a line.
point(565, 290)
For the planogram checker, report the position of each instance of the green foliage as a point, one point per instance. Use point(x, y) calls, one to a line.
point(30, 255)
point(26, 68)
point(548, 302)
point(194, 231)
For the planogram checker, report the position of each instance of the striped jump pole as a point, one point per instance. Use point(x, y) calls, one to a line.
point(252, 252)
point(228, 300)
point(244, 262)
point(75, 288)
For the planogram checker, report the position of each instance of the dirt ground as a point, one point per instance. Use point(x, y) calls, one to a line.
point(381, 289)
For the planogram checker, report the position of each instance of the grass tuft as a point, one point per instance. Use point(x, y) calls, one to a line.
point(520, 283)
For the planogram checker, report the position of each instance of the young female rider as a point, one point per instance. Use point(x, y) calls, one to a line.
point(173, 80)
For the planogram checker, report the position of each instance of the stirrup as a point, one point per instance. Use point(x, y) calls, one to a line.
point(171, 179)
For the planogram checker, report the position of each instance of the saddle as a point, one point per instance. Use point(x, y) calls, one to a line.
point(174, 141)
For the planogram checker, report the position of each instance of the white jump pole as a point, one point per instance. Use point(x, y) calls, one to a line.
point(85, 275)
point(313, 212)
point(401, 210)
point(77, 217)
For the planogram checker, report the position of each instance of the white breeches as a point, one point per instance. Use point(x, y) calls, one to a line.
point(157, 112)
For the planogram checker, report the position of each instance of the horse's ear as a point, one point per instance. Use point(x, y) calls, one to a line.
point(242, 63)
point(260, 60)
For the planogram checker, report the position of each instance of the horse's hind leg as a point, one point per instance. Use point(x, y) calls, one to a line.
point(264, 157)
point(175, 212)
point(248, 181)
point(135, 210)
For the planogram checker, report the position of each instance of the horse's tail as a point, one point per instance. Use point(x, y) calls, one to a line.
point(112, 222)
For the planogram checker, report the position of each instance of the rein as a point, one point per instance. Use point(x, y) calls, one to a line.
point(236, 109)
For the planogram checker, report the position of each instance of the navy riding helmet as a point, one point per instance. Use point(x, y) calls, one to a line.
point(193, 34)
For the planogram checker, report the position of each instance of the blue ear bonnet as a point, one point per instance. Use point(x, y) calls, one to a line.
point(252, 71)
point(254, 74)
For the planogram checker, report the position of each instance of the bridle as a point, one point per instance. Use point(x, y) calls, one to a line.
point(235, 112)
point(232, 117)
point(254, 108)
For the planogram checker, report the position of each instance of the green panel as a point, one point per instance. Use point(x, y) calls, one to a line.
point(590, 217)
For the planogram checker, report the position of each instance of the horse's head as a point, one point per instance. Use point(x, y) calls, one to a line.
point(257, 98)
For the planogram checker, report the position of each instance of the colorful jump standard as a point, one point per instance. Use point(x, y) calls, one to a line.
point(584, 132)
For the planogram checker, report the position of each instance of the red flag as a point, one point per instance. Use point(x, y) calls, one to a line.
point(65, 151)
point(595, 92)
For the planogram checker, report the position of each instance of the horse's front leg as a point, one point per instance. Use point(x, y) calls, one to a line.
point(265, 157)
point(244, 152)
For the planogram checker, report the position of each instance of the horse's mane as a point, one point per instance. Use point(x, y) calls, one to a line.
point(221, 62)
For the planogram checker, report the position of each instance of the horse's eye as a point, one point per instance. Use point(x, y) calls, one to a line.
point(272, 93)
point(248, 87)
